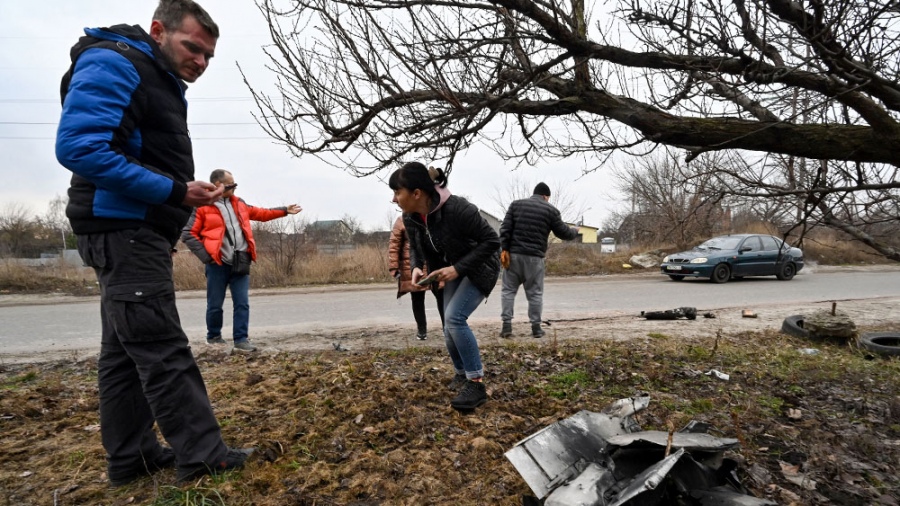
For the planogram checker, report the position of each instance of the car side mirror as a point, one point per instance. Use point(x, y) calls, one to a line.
point(744, 249)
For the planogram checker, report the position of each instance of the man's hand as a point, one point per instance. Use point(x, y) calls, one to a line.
point(201, 193)
point(294, 209)
point(504, 259)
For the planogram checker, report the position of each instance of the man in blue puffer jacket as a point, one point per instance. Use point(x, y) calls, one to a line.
point(123, 133)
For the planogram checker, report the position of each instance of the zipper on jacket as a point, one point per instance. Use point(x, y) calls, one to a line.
point(428, 234)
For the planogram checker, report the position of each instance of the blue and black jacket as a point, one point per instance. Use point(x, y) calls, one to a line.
point(123, 133)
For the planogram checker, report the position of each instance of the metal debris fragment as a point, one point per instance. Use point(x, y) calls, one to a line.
point(671, 314)
point(718, 374)
point(605, 459)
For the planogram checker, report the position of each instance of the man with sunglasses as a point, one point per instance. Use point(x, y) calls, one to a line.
point(220, 235)
point(123, 134)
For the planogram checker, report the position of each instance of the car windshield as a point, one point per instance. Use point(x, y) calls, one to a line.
point(718, 243)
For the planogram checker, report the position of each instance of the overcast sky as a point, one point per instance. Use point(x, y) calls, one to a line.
point(34, 53)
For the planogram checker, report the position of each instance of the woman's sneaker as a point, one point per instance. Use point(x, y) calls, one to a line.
point(472, 395)
point(422, 335)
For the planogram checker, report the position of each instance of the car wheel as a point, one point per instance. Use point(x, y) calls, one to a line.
point(675, 278)
point(793, 326)
point(721, 274)
point(883, 343)
point(787, 271)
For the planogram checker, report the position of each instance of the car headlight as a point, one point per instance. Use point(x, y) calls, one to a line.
point(701, 260)
point(666, 259)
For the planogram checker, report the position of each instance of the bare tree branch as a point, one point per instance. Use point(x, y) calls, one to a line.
point(805, 94)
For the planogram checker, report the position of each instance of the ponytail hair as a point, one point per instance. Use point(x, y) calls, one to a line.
point(437, 175)
point(414, 176)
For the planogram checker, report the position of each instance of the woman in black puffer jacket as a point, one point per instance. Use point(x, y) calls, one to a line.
point(450, 238)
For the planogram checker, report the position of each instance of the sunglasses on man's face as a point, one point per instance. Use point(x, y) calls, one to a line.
point(231, 186)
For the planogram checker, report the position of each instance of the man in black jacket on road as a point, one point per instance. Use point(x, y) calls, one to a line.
point(523, 241)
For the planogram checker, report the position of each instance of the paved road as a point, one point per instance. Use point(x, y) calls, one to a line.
point(72, 326)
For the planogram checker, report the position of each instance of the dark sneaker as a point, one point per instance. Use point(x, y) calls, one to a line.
point(472, 395)
point(124, 476)
point(536, 330)
point(458, 381)
point(506, 330)
point(422, 335)
point(244, 346)
point(234, 459)
point(215, 340)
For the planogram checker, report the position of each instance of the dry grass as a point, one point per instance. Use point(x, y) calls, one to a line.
point(56, 278)
point(362, 265)
point(827, 248)
point(570, 259)
point(373, 426)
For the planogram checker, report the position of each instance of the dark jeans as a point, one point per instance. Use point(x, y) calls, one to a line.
point(418, 307)
point(218, 279)
point(146, 370)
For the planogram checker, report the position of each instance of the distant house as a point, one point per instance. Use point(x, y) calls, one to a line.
point(329, 232)
point(588, 234)
point(492, 220)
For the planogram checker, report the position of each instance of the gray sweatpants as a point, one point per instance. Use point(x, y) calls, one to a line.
point(146, 370)
point(523, 270)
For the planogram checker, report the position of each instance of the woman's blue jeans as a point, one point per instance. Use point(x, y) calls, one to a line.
point(461, 298)
point(218, 279)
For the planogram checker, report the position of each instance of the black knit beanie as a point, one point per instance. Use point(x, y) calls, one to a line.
point(542, 189)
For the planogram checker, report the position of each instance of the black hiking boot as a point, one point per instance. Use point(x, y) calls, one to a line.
point(126, 475)
point(472, 395)
point(506, 330)
point(234, 459)
point(537, 331)
point(457, 382)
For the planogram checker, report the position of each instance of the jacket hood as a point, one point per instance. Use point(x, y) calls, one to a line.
point(444, 195)
point(132, 36)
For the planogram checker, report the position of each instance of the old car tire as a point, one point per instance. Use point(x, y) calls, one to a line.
point(883, 343)
point(675, 278)
point(720, 274)
point(793, 326)
point(787, 271)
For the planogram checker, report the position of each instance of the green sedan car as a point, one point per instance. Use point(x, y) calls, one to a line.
point(735, 256)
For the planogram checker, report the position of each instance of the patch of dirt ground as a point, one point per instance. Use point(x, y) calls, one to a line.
point(359, 423)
